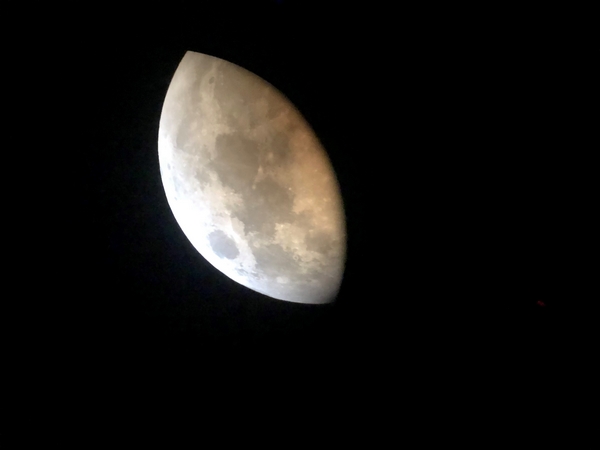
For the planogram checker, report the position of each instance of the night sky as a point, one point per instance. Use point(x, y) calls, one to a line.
point(449, 146)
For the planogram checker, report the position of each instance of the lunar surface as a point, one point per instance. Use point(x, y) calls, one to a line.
point(249, 183)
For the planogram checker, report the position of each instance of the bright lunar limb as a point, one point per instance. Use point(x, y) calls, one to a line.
point(249, 183)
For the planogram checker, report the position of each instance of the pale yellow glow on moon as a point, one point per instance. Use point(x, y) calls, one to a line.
point(249, 182)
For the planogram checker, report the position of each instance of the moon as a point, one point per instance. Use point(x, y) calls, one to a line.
point(249, 183)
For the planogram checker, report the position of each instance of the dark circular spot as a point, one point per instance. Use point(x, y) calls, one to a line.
point(223, 245)
point(212, 80)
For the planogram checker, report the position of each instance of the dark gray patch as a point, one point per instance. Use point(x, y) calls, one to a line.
point(236, 161)
point(276, 153)
point(250, 118)
point(281, 143)
point(273, 260)
point(236, 92)
point(303, 219)
point(265, 205)
point(223, 245)
point(232, 120)
point(211, 80)
point(319, 242)
point(274, 196)
point(254, 121)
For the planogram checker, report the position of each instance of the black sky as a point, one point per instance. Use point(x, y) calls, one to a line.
point(448, 140)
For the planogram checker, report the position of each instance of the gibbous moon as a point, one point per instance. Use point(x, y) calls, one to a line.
point(249, 182)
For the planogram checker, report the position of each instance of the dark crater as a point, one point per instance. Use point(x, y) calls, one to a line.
point(223, 245)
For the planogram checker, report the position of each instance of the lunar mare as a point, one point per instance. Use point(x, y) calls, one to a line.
point(249, 183)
